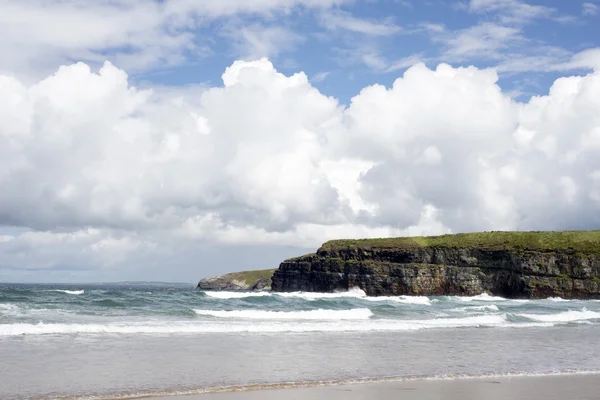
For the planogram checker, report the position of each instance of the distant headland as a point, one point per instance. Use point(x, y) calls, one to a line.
point(510, 264)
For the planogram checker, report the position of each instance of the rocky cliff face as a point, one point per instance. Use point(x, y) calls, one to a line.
point(442, 268)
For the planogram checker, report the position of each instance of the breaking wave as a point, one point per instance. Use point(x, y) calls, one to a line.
point(491, 307)
point(264, 326)
point(69, 291)
point(481, 297)
point(354, 314)
point(354, 293)
point(566, 316)
point(236, 295)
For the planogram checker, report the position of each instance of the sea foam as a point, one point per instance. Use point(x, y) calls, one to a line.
point(481, 297)
point(69, 291)
point(566, 316)
point(354, 314)
point(236, 295)
point(491, 307)
point(277, 323)
point(354, 293)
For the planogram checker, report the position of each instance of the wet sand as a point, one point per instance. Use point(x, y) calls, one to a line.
point(554, 387)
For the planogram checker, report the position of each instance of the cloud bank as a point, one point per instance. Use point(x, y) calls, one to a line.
point(100, 173)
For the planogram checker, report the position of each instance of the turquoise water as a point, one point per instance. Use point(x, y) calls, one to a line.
point(81, 341)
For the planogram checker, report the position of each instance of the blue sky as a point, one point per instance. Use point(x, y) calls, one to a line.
point(174, 139)
point(345, 48)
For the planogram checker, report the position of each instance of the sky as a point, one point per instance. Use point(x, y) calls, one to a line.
point(170, 140)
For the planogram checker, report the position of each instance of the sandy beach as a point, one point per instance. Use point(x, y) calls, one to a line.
point(552, 387)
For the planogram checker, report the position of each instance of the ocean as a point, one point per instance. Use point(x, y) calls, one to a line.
point(111, 342)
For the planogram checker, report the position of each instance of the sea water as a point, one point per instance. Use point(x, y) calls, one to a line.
point(91, 342)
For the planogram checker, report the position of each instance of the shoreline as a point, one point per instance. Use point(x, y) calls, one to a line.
point(583, 385)
point(242, 391)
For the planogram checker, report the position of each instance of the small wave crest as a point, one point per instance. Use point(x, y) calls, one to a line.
point(566, 316)
point(491, 307)
point(354, 293)
point(481, 297)
point(236, 295)
point(271, 325)
point(557, 299)
point(418, 300)
point(354, 314)
point(69, 291)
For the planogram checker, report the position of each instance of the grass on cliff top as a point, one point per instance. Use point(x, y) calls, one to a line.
point(587, 242)
point(250, 276)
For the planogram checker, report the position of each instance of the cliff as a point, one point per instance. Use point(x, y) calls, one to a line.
point(508, 264)
point(247, 280)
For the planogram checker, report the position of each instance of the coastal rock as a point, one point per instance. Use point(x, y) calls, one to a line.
point(247, 280)
point(508, 264)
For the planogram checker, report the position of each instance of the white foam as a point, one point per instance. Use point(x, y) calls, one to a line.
point(566, 316)
point(423, 300)
point(236, 295)
point(557, 299)
point(353, 292)
point(356, 293)
point(9, 307)
point(354, 314)
point(263, 326)
point(491, 307)
point(69, 291)
point(481, 297)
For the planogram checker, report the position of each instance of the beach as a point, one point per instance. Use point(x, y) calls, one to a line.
point(554, 387)
point(82, 343)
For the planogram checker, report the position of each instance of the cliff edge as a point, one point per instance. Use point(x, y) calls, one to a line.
point(508, 264)
point(246, 280)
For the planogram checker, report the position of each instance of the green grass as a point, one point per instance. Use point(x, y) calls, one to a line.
point(584, 242)
point(250, 276)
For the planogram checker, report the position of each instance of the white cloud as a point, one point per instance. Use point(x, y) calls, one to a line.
point(256, 41)
point(345, 21)
point(404, 62)
point(38, 35)
point(511, 11)
point(320, 76)
point(551, 59)
point(589, 9)
point(483, 41)
point(110, 175)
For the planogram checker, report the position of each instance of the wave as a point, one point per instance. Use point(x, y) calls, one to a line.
point(236, 295)
point(566, 316)
point(492, 307)
point(69, 291)
point(9, 307)
point(557, 299)
point(354, 314)
point(265, 326)
point(420, 300)
point(481, 297)
point(354, 293)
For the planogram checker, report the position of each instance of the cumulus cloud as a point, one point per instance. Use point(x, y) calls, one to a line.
point(104, 173)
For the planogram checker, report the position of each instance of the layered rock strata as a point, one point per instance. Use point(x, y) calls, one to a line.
point(508, 264)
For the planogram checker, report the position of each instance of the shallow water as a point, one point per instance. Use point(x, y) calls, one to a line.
point(86, 341)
